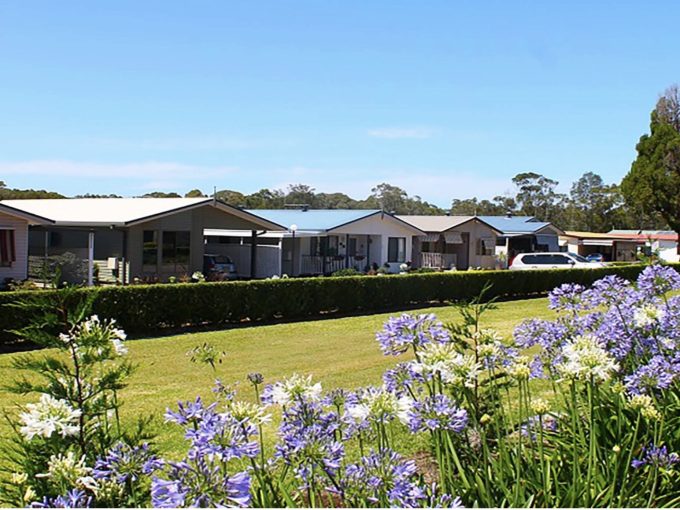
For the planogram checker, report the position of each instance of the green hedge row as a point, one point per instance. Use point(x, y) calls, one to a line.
point(146, 309)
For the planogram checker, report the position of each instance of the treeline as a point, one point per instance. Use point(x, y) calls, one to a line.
point(591, 204)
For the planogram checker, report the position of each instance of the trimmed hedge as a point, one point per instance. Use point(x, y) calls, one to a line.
point(146, 309)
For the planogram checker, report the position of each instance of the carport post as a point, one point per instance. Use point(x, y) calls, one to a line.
point(90, 259)
point(253, 253)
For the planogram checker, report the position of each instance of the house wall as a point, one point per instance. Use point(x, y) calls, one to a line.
point(18, 269)
point(194, 221)
point(380, 230)
point(466, 253)
point(668, 250)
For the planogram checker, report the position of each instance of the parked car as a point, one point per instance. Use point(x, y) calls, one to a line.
point(557, 260)
point(595, 257)
point(218, 267)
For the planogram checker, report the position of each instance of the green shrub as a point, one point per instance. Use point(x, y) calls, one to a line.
point(350, 271)
point(146, 309)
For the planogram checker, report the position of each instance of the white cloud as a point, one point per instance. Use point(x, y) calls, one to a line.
point(136, 170)
point(395, 133)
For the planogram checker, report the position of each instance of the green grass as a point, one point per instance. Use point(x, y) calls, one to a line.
point(338, 352)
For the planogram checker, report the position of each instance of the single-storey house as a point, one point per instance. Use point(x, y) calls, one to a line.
point(613, 247)
point(14, 225)
point(318, 242)
point(523, 234)
point(453, 242)
point(119, 239)
point(665, 242)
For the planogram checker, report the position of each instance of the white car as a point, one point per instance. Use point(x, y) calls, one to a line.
point(555, 260)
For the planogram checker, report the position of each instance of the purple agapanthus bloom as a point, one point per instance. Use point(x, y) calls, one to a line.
point(74, 498)
point(657, 374)
point(167, 493)
point(547, 334)
point(401, 333)
point(569, 297)
point(200, 483)
point(437, 413)
point(402, 379)
point(124, 462)
point(383, 477)
point(609, 291)
point(188, 412)
point(531, 427)
point(657, 280)
point(222, 436)
point(657, 456)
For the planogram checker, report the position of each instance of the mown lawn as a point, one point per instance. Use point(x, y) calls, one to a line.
point(338, 352)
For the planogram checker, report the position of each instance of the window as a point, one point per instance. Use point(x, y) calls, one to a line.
point(7, 248)
point(176, 247)
point(486, 246)
point(396, 249)
point(150, 250)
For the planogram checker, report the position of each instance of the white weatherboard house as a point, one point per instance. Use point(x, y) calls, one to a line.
point(453, 242)
point(319, 242)
point(14, 225)
point(523, 234)
point(147, 238)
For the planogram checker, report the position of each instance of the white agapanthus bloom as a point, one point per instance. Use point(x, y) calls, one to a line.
point(455, 368)
point(297, 386)
point(584, 358)
point(380, 405)
point(48, 416)
point(248, 411)
point(118, 346)
point(647, 315)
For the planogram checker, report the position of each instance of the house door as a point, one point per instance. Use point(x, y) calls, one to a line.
point(464, 261)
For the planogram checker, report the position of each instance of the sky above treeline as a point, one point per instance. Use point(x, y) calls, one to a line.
point(446, 99)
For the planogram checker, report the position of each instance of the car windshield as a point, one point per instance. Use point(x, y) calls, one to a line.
point(578, 257)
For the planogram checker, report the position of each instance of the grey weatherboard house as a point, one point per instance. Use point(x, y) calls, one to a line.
point(127, 238)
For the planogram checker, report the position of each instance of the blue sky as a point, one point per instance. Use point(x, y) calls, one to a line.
point(447, 99)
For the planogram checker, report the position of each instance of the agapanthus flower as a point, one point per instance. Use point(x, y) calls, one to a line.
point(49, 415)
point(438, 412)
point(293, 389)
point(255, 378)
point(647, 315)
point(399, 334)
point(200, 484)
point(380, 406)
point(657, 374)
point(583, 358)
point(645, 405)
point(189, 412)
point(167, 493)
point(67, 470)
point(221, 436)
point(657, 280)
point(123, 463)
point(609, 291)
point(656, 456)
point(547, 334)
point(402, 379)
point(531, 428)
point(385, 478)
point(444, 360)
point(248, 412)
point(75, 498)
point(569, 297)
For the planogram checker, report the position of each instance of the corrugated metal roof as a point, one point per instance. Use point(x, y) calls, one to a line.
point(434, 223)
point(515, 224)
point(116, 211)
point(313, 219)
